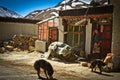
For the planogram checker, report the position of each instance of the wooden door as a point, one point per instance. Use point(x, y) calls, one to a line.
point(101, 41)
point(53, 34)
point(106, 39)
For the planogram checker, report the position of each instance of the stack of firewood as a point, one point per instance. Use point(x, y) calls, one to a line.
point(20, 43)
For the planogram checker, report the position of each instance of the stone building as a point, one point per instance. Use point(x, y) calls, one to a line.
point(89, 29)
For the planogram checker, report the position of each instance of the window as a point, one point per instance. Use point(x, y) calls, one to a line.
point(42, 31)
point(76, 36)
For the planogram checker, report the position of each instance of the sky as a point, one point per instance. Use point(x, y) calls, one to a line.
point(24, 7)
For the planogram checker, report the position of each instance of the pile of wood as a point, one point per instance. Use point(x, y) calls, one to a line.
point(20, 43)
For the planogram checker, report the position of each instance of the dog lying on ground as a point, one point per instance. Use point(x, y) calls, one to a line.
point(95, 63)
point(46, 66)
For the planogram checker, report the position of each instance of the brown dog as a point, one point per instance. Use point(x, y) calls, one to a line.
point(99, 63)
point(46, 66)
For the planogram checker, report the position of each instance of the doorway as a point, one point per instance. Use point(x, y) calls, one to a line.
point(53, 35)
point(101, 40)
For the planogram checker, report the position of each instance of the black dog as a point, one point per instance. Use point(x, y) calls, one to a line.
point(99, 63)
point(46, 66)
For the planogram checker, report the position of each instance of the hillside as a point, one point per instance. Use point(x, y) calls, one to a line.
point(4, 12)
point(64, 5)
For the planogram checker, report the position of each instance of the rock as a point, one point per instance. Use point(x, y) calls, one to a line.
point(31, 48)
point(108, 67)
point(9, 48)
point(2, 50)
point(85, 64)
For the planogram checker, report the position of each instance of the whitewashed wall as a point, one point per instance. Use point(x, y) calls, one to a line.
point(88, 38)
point(9, 29)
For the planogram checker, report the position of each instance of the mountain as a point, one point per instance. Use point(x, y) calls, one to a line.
point(64, 5)
point(4, 12)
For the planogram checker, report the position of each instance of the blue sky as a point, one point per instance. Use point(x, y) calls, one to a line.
point(23, 7)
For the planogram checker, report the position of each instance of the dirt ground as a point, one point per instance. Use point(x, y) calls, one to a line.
point(19, 66)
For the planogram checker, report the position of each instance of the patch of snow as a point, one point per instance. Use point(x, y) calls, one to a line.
point(76, 3)
point(86, 1)
point(57, 8)
point(84, 6)
point(42, 11)
point(67, 7)
point(48, 9)
point(39, 13)
point(35, 13)
point(73, 0)
point(65, 1)
point(56, 14)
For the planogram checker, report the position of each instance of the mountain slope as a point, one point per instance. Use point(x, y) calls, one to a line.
point(64, 5)
point(4, 12)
